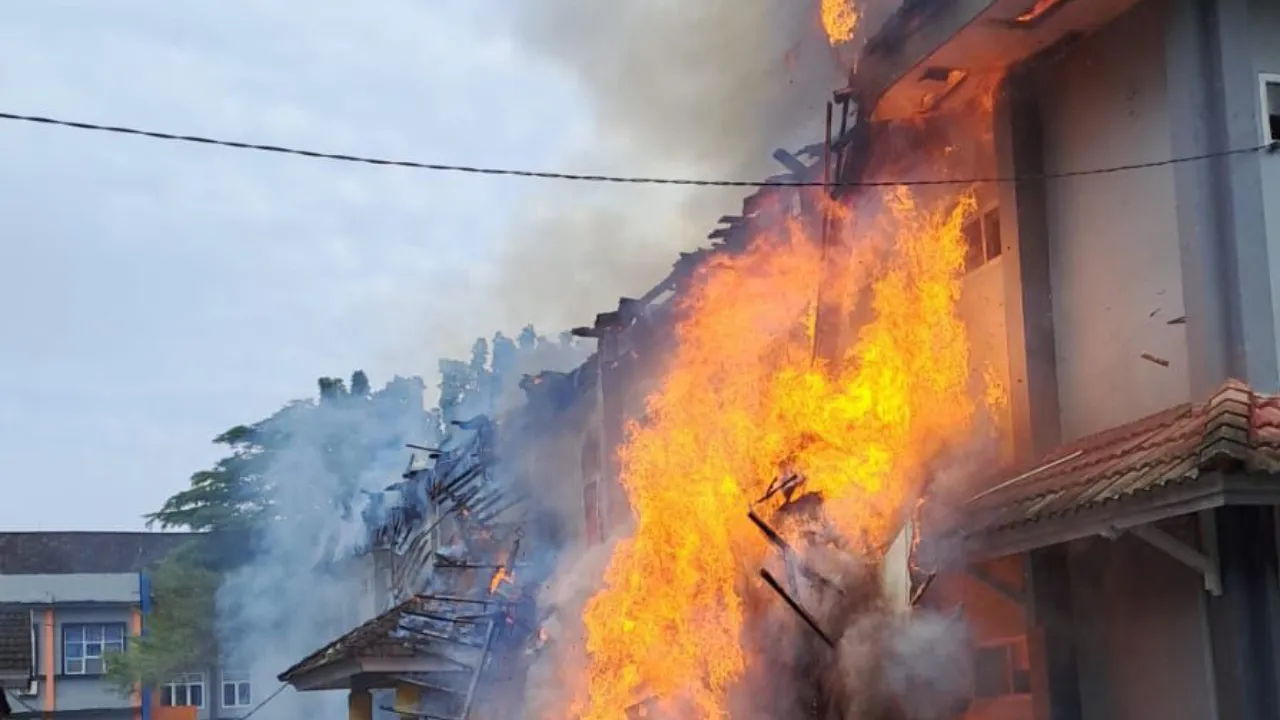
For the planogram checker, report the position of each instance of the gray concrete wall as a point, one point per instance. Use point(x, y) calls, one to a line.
point(1144, 649)
point(80, 588)
point(82, 692)
point(1265, 16)
point(1114, 245)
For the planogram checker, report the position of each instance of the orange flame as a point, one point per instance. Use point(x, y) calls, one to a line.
point(839, 20)
point(740, 402)
point(500, 577)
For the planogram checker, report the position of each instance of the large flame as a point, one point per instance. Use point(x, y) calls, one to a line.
point(742, 402)
point(839, 20)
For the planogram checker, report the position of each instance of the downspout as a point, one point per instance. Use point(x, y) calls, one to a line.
point(50, 696)
point(144, 607)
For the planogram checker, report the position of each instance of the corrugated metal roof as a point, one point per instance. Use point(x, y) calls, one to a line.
point(15, 647)
point(60, 553)
point(1237, 429)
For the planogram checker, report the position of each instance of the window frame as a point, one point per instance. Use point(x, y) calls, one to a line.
point(235, 680)
point(83, 657)
point(979, 221)
point(1012, 646)
point(186, 682)
point(1265, 81)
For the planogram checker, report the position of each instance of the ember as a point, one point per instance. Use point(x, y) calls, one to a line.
point(742, 402)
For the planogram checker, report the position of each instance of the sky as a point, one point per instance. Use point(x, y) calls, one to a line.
point(156, 294)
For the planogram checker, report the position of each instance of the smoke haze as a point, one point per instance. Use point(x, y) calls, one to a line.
point(703, 89)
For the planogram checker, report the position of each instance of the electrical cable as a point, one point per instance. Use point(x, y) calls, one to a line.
point(1270, 147)
point(263, 704)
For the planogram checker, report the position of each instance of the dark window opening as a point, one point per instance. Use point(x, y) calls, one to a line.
point(991, 673)
point(972, 245)
point(1273, 110)
point(591, 505)
point(982, 240)
point(991, 233)
point(1001, 670)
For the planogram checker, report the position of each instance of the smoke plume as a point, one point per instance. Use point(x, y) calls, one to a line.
point(703, 89)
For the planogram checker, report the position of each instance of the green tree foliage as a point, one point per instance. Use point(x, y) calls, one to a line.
point(179, 634)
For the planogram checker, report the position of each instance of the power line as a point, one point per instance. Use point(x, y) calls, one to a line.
point(614, 179)
point(263, 704)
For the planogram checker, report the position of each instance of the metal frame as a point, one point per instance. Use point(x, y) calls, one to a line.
point(1265, 80)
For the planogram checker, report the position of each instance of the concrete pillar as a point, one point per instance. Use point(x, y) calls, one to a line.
point(359, 705)
point(1055, 676)
point(1033, 375)
point(1244, 621)
point(407, 697)
point(1213, 108)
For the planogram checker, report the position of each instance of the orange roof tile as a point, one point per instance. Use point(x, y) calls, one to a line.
point(1237, 430)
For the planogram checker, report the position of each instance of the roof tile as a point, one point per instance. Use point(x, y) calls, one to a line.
point(1236, 429)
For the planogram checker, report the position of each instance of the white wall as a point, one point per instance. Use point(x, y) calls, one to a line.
point(1114, 248)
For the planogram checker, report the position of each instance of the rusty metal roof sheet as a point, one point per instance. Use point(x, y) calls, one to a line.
point(1236, 430)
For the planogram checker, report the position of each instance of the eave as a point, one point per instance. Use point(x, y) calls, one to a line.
point(936, 53)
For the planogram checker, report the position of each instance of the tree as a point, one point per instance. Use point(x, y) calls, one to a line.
point(179, 633)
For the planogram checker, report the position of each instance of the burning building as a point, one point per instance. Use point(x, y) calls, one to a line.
point(1000, 444)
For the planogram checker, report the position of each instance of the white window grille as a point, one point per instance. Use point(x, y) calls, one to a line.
point(186, 690)
point(86, 645)
point(236, 690)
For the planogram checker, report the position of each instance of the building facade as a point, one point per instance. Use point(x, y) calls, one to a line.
point(87, 595)
point(1124, 563)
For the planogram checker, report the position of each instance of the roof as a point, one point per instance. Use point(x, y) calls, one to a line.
point(15, 647)
point(411, 629)
point(62, 553)
point(1193, 450)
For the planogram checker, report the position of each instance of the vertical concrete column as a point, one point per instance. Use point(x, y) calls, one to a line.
point(1244, 621)
point(407, 697)
point(359, 705)
point(1055, 676)
point(49, 653)
point(1033, 375)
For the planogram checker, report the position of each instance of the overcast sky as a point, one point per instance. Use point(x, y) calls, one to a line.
point(155, 294)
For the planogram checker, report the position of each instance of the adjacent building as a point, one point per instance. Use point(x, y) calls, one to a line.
point(78, 597)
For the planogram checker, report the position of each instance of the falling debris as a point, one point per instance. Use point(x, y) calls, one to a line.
point(1153, 359)
point(1181, 320)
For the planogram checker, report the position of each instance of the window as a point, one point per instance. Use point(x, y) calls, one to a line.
point(84, 647)
point(1001, 669)
point(1271, 107)
point(187, 690)
point(982, 240)
point(235, 690)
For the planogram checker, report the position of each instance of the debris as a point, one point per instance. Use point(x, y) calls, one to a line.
point(1157, 360)
point(1180, 320)
point(795, 606)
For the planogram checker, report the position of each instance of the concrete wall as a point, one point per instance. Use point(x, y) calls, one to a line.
point(1114, 247)
point(43, 589)
point(82, 692)
point(1265, 24)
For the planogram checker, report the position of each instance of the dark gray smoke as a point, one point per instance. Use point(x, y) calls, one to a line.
point(697, 89)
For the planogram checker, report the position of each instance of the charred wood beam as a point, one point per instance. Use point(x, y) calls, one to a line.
point(790, 162)
point(475, 679)
point(418, 682)
point(797, 608)
point(455, 599)
point(438, 618)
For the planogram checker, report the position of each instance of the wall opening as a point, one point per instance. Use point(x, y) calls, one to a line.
point(1271, 107)
point(982, 239)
